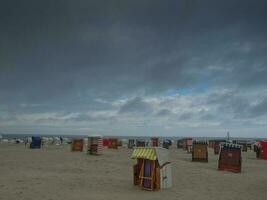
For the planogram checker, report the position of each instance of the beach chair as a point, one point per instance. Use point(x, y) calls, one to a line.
point(113, 143)
point(77, 145)
point(95, 145)
point(261, 150)
point(153, 170)
point(230, 157)
point(131, 143)
point(217, 146)
point(200, 151)
point(155, 142)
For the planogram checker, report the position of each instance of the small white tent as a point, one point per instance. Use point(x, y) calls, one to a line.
point(124, 143)
point(56, 141)
point(5, 140)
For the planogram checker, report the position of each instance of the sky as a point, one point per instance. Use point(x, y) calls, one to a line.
point(134, 68)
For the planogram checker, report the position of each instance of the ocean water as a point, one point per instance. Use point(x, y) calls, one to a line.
point(21, 136)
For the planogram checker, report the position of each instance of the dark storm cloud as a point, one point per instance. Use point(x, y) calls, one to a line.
point(231, 102)
point(57, 49)
point(136, 106)
point(208, 117)
point(258, 109)
point(186, 116)
point(90, 118)
point(8, 118)
point(63, 55)
point(164, 112)
point(241, 106)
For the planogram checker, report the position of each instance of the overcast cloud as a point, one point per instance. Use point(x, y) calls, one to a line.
point(151, 67)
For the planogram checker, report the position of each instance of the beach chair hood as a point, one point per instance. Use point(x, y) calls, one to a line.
point(151, 153)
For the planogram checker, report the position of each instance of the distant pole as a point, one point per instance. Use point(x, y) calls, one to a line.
point(228, 136)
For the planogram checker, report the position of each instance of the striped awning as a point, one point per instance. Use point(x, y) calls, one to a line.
point(145, 153)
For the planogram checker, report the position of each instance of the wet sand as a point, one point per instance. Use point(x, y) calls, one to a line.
point(55, 173)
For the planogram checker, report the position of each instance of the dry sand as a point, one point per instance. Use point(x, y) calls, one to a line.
point(55, 173)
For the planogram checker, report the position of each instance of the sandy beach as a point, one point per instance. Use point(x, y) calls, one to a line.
point(56, 173)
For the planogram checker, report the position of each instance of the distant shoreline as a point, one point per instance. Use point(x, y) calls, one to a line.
point(21, 136)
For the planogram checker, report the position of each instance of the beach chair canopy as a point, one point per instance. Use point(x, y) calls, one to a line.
point(151, 153)
point(200, 142)
point(230, 145)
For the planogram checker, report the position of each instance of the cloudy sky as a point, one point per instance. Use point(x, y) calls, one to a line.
point(166, 68)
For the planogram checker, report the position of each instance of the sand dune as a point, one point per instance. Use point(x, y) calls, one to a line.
point(55, 173)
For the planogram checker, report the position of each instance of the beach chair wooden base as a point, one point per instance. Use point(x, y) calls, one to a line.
point(235, 169)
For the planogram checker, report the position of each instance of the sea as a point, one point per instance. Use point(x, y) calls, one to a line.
point(21, 136)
